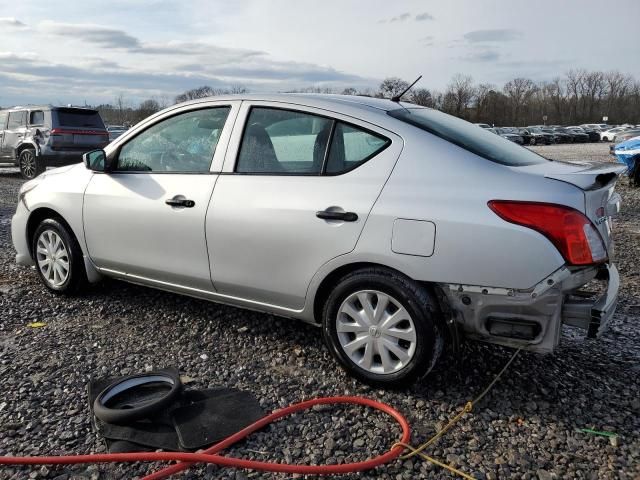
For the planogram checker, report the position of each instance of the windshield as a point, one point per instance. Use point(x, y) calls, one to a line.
point(468, 136)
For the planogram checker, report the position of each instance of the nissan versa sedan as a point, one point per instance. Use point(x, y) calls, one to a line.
point(393, 227)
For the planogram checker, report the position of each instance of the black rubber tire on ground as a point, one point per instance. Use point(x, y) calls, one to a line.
point(415, 298)
point(77, 278)
point(532, 141)
point(30, 164)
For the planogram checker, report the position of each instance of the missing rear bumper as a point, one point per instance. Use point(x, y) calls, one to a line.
point(581, 310)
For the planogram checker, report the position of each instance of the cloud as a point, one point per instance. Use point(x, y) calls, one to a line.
point(424, 16)
point(482, 56)
point(427, 40)
point(496, 35)
point(97, 34)
point(400, 18)
point(11, 22)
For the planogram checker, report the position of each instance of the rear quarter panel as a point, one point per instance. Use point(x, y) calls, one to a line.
point(439, 182)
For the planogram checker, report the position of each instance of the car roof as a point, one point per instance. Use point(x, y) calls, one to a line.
point(320, 100)
point(46, 107)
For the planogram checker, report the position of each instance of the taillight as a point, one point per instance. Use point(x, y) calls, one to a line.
point(570, 231)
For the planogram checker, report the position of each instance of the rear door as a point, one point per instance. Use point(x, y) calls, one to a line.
point(146, 218)
point(297, 187)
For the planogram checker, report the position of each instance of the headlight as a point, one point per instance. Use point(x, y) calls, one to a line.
point(26, 188)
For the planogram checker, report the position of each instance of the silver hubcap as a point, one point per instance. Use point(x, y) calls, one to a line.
point(53, 258)
point(376, 332)
point(28, 163)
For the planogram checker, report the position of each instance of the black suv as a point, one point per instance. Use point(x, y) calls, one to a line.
point(36, 137)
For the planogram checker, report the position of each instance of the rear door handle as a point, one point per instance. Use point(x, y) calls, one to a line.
point(179, 201)
point(343, 216)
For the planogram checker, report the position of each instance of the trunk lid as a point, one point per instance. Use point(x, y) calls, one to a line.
point(597, 181)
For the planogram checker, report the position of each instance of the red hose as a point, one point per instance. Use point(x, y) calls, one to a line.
point(209, 455)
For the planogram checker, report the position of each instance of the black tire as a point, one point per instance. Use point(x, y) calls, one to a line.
point(416, 300)
point(76, 279)
point(532, 141)
point(30, 164)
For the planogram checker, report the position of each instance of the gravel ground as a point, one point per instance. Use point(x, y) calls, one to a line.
point(525, 428)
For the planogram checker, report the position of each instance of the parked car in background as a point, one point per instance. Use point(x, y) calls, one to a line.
point(337, 211)
point(506, 133)
point(575, 136)
point(532, 136)
point(608, 135)
point(596, 126)
point(115, 131)
point(626, 135)
point(483, 125)
point(36, 137)
point(594, 135)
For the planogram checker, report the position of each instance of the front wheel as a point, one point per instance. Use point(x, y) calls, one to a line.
point(58, 258)
point(382, 327)
point(30, 165)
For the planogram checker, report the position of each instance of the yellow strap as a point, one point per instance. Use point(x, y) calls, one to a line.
point(467, 408)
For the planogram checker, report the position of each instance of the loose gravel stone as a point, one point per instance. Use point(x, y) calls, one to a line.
point(526, 428)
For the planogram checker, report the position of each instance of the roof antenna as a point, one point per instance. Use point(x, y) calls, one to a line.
point(396, 98)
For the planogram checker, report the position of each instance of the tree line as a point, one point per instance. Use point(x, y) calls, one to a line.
point(579, 96)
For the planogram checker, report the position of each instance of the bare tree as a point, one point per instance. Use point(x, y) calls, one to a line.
point(392, 86)
point(482, 98)
point(459, 94)
point(519, 91)
point(421, 96)
point(349, 91)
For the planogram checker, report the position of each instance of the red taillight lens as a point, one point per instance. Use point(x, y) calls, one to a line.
point(570, 231)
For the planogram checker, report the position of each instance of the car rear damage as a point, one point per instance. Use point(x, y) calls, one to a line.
point(582, 293)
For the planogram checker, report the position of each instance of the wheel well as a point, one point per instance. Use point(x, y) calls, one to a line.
point(330, 280)
point(37, 216)
point(22, 147)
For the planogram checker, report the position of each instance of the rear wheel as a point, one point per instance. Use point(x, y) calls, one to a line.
point(532, 141)
point(382, 327)
point(58, 258)
point(30, 165)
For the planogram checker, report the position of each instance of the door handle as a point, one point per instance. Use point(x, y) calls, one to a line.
point(180, 202)
point(331, 215)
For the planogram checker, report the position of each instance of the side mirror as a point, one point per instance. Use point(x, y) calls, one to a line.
point(95, 160)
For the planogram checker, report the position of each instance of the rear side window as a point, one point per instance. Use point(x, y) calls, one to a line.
point(352, 146)
point(17, 120)
point(283, 142)
point(480, 141)
point(3, 120)
point(79, 118)
point(36, 118)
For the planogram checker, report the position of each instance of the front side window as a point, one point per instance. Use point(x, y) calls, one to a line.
point(36, 118)
point(182, 143)
point(3, 120)
point(282, 141)
point(17, 120)
point(480, 141)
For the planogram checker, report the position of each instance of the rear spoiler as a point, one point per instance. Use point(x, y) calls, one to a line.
point(595, 175)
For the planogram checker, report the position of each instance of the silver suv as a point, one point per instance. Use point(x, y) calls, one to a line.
point(392, 227)
point(36, 137)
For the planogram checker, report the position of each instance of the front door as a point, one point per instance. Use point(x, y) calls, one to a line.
point(3, 126)
point(146, 218)
point(296, 190)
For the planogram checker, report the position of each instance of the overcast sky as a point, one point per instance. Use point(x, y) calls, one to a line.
point(76, 51)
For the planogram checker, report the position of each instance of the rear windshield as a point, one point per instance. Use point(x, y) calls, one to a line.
point(468, 136)
point(79, 118)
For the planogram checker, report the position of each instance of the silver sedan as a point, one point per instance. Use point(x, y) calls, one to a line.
point(395, 228)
